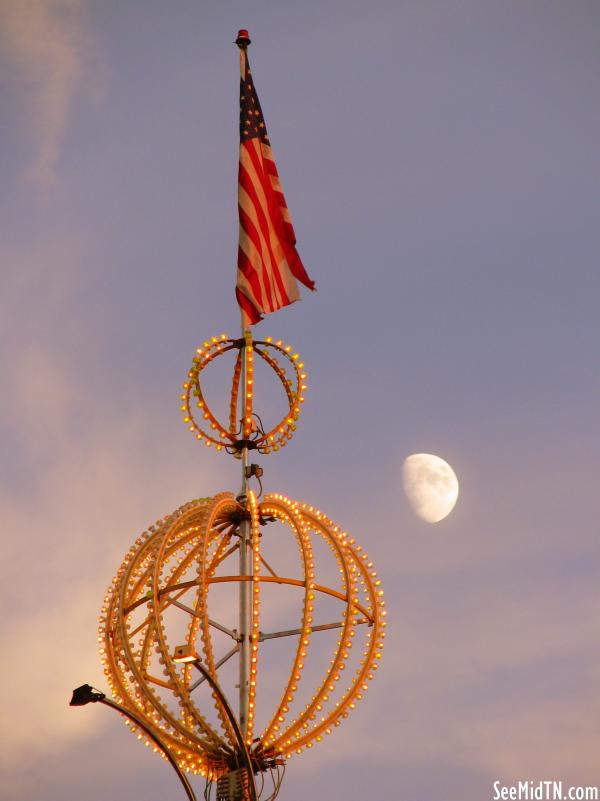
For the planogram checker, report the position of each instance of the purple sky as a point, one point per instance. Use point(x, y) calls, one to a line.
point(441, 163)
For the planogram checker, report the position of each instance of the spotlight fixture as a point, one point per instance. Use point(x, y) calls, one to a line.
point(185, 653)
point(85, 695)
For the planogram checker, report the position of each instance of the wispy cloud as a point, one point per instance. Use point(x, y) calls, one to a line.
point(82, 480)
point(45, 41)
point(85, 499)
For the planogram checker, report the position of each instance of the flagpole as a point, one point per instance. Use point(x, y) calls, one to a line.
point(245, 562)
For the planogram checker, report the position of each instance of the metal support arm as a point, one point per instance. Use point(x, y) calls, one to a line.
point(244, 753)
point(86, 694)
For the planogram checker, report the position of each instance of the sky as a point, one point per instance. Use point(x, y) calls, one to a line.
point(440, 161)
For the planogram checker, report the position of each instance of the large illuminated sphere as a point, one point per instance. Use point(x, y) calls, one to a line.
point(162, 597)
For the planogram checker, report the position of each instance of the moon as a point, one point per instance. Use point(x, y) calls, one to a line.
point(431, 486)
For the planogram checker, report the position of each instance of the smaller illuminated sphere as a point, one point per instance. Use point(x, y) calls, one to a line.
point(431, 486)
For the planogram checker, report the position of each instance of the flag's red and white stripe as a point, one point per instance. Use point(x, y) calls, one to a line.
point(268, 263)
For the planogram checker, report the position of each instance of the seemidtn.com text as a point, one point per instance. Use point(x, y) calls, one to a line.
point(543, 791)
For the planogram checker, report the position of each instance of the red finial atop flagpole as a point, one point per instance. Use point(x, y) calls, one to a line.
point(243, 39)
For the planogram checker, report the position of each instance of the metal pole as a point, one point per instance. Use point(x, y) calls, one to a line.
point(245, 624)
point(89, 695)
point(138, 721)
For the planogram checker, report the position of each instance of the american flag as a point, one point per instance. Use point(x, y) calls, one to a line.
point(268, 264)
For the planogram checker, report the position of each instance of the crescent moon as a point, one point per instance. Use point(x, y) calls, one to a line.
point(431, 486)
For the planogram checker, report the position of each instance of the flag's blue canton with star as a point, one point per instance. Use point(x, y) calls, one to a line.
point(252, 122)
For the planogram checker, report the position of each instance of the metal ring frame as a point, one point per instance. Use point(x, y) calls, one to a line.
point(248, 432)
